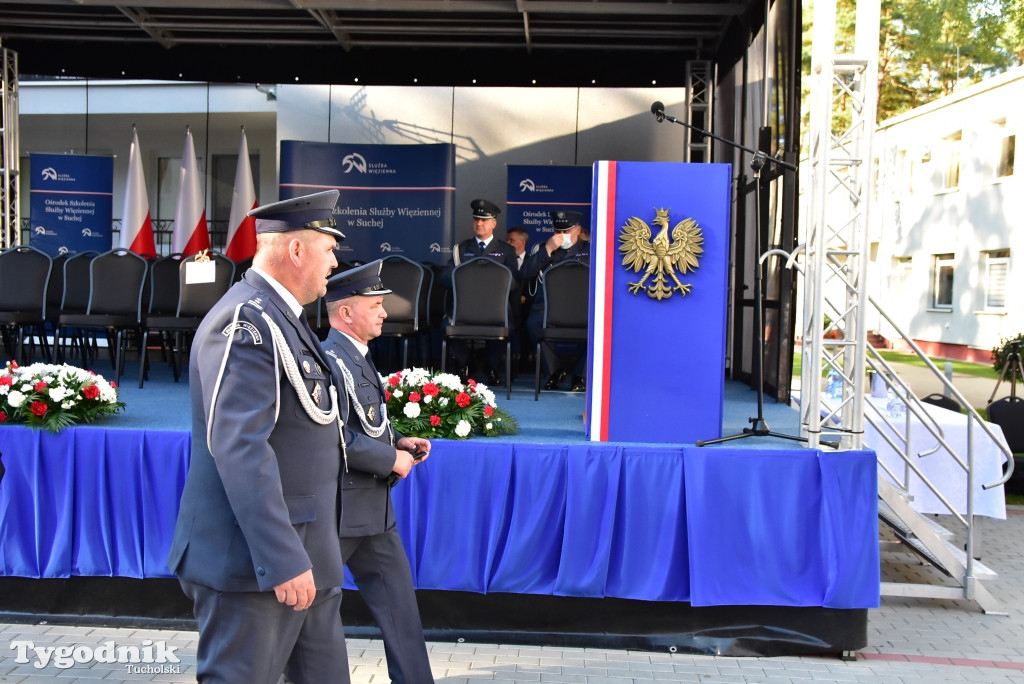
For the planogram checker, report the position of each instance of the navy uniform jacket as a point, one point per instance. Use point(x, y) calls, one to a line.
point(261, 502)
point(540, 260)
point(499, 250)
point(366, 486)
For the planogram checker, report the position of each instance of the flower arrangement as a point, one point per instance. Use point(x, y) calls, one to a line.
point(54, 397)
point(422, 403)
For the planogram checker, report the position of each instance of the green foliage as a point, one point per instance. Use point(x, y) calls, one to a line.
point(1001, 351)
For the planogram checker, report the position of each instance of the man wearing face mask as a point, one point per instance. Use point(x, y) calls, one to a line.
point(564, 244)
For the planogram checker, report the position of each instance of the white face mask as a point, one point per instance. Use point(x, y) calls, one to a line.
point(566, 240)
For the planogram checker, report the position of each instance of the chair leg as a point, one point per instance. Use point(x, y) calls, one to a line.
point(405, 352)
point(536, 374)
point(143, 357)
point(444, 352)
point(508, 368)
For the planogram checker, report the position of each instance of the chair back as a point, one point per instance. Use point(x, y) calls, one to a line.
point(404, 277)
point(24, 275)
point(55, 286)
point(241, 267)
point(116, 281)
point(164, 288)
point(566, 295)
point(942, 401)
point(1008, 414)
point(480, 291)
point(77, 274)
point(196, 299)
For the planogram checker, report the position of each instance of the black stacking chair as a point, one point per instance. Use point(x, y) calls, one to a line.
point(74, 300)
point(24, 276)
point(942, 400)
point(1008, 414)
point(195, 299)
point(161, 299)
point(116, 282)
point(480, 311)
point(54, 294)
point(404, 277)
point(566, 315)
point(241, 267)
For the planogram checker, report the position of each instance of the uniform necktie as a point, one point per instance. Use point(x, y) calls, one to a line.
point(479, 246)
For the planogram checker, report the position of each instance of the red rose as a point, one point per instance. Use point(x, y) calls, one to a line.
point(414, 397)
point(488, 411)
point(463, 400)
point(471, 382)
point(40, 386)
point(90, 391)
point(394, 380)
point(435, 420)
point(3, 417)
point(6, 380)
point(13, 365)
point(39, 408)
point(431, 390)
point(113, 385)
point(387, 395)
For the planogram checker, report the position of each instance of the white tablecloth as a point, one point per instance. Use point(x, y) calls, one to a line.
point(940, 468)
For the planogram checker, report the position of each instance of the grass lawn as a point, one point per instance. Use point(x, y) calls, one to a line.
point(977, 370)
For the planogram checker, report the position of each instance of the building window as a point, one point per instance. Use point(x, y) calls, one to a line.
point(942, 281)
point(1007, 150)
point(952, 177)
point(899, 281)
point(996, 266)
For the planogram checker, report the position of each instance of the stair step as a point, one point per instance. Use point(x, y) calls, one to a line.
point(889, 517)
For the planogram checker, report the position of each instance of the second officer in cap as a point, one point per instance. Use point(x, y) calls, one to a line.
point(563, 245)
point(376, 458)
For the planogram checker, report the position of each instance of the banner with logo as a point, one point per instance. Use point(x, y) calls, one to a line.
point(395, 199)
point(659, 259)
point(71, 203)
point(535, 191)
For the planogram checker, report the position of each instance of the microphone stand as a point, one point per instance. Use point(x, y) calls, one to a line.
point(758, 424)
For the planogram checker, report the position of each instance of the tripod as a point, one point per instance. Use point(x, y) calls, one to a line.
point(758, 424)
point(1013, 365)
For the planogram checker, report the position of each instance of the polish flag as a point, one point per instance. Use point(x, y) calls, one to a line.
point(190, 234)
point(242, 228)
point(136, 223)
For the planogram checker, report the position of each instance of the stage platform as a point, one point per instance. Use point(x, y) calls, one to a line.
point(757, 546)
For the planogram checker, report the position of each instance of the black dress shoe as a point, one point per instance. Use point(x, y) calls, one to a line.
point(555, 380)
point(579, 384)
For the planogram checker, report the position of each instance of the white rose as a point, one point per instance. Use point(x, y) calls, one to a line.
point(67, 404)
point(427, 398)
point(397, 393)
point(15, 398)
point(59, 393)
point(462, 429)
point(489, 426)
point(411, 410)
point(4, 389)
point(442, 402)
point(27, 387)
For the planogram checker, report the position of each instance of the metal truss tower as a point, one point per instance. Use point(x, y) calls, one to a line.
point(10, 233)
point(836, 249)
point(700, 90)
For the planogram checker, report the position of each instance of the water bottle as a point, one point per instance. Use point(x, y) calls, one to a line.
point(894, 406)
point(833, 385)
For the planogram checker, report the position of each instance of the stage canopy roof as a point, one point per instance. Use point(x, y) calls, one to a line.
point(604, 43)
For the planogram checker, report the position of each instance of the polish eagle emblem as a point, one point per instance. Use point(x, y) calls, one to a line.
point(661, 257)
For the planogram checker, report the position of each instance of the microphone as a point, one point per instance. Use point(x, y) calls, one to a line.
point(658, 110)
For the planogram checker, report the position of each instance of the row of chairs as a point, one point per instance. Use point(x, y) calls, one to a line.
point(125, 296)
point(72, 299)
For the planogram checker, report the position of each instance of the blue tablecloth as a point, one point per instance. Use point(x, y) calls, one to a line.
point(712, 526)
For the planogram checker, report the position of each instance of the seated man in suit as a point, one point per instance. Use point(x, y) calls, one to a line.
point(564, 244)
point(483, 245)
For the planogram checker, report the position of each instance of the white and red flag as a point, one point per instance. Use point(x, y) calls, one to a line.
point(241, 227)
point(136, 223)
point(190, 234)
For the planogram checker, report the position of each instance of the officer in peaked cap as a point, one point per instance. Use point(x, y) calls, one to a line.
point(255, 546)
point(312, 212)
point(377, 458)
point(484, 244)
point(563, 245)
point(361, 281)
